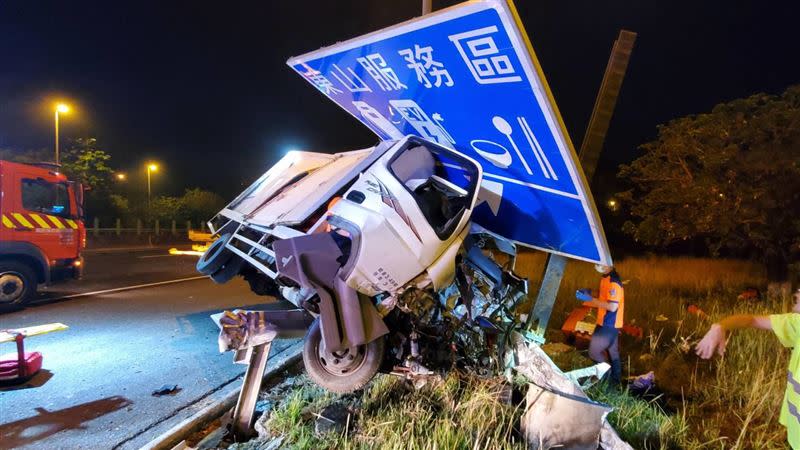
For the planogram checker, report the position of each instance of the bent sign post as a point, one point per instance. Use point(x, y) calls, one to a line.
point(466, 77)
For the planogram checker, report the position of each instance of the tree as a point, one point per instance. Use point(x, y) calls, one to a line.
point(730, 178)
point(165, 209)
point(195, 204)
point(82, 161)
point(201, 205)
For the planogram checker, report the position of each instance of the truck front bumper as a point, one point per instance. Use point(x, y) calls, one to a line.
point(67, 269)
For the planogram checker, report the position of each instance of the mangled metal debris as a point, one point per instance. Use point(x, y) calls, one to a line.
point(558, 413)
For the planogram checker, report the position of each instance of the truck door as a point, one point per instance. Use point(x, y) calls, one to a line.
point(43, 213)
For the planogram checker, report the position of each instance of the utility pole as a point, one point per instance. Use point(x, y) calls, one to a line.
point(605, 103)
point(589, 155)
point(427, 6)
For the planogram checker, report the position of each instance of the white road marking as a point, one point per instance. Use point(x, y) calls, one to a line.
point(126, 288)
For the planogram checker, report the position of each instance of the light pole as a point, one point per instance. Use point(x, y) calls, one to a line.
point(60, 108)
point(150, 168)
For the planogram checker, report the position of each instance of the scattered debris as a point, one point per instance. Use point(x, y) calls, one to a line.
point(579, 326)
point(592, 374)
point(749, 294)
point(167, 389)
point(633, 331)
point(556, 348)
point(559, 413)
point(335, 418)
point(643, 383)
point(696, 311)
point(553, 419)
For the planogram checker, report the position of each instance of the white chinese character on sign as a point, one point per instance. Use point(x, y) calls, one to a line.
point(417, 118)
point(421, 60)
point(377, 68)
point(317, 79)
point(353, 82)
point(485, 61)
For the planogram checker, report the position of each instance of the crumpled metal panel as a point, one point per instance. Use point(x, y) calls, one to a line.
point(559, 413)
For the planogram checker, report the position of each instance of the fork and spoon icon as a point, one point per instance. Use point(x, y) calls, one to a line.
point(504, 159)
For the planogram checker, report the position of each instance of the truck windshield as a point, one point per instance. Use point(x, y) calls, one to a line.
point(45, 197)
point(441, 182)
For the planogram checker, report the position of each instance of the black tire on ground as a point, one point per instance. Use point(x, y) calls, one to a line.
point(228, 271)
point(215, 257)
point(17, 284)
point(342, 379)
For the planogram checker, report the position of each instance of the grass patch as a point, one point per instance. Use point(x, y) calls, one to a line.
point(728, 403)
point(462, 411)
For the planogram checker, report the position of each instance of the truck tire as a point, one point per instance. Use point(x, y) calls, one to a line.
point(228, 271)
point(17, 284)
point(345, 371)
point(216, 256)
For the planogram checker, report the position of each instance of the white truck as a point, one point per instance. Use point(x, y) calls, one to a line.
point(398, 215)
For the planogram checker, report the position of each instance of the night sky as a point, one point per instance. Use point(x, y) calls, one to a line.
point(203, 87)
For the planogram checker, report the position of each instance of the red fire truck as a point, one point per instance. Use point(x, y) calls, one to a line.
point(42, 232)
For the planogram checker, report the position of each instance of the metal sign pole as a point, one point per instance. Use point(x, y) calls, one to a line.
point(275, 324)
point(246, 405)
point(551, 281)
point(589, 156)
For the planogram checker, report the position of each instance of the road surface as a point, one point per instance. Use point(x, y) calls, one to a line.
point(95, 391)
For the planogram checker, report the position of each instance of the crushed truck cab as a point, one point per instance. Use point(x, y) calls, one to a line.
point(402, 206)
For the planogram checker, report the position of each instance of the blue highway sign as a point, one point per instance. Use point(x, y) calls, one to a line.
point(466, 77)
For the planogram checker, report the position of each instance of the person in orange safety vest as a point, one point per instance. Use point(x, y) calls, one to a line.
point(610, 304)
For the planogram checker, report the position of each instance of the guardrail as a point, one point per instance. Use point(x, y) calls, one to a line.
point(141, 228)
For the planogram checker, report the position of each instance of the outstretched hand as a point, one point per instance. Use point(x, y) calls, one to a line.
point(713, 342)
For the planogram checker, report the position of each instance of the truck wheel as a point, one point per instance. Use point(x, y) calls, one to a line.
point(216, 256)
point(344, 371)
point(17, 284)
point(228, 271)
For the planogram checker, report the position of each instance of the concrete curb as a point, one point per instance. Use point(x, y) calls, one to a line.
point(177, 433)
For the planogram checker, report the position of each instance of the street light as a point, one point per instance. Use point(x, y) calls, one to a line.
point(121, 176)
point(150, 168)
point(60, 108)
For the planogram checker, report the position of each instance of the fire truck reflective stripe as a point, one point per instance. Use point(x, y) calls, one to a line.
point(72, 224)
point(22, 220)
point(7, 222)
point(40, 221)
point(56, 222)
